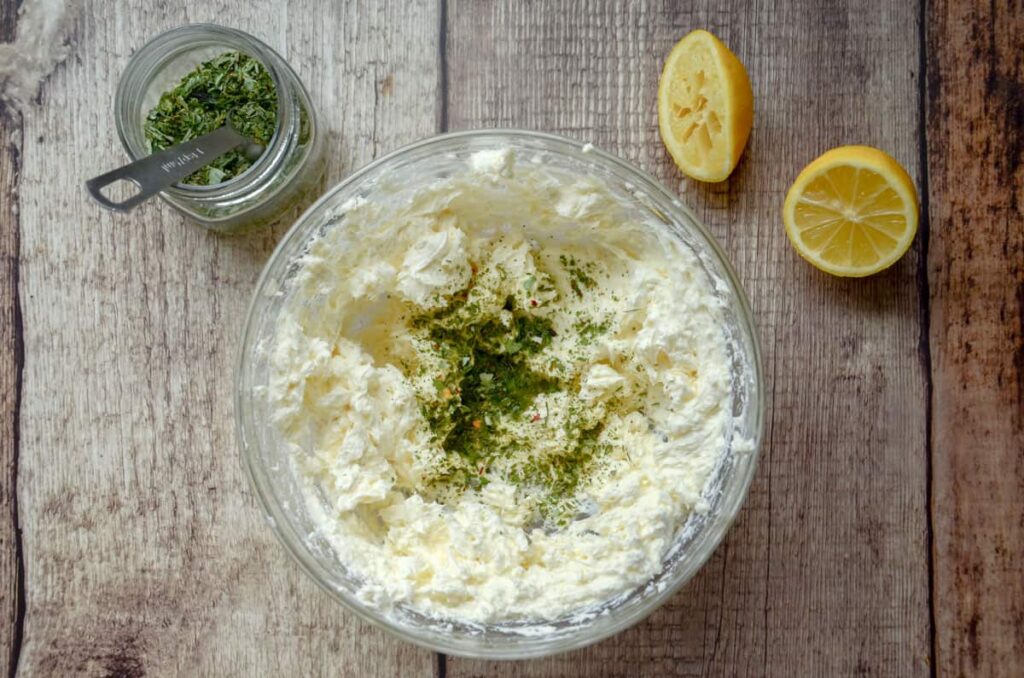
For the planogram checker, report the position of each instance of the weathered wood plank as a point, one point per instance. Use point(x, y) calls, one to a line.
point(10, 378)
point(11, 592)
point(145, 551)
point(976, 273)
point(825, 573)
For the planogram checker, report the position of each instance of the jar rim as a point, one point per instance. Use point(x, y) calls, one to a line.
point(169, 44)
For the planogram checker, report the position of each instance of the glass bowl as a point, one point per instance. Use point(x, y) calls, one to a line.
point(280, 491)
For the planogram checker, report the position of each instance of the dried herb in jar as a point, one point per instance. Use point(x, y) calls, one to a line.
point(232, 84)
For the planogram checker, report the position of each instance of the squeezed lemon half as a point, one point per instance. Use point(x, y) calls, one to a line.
point(852, 212)
point(705, 107)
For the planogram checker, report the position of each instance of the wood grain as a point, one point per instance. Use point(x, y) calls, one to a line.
point(11, 354)
point(826, 571)
point(145, 552)
point(976, 274)
point(10, 377)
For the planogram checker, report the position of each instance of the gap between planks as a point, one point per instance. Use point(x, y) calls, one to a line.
point(924, 310)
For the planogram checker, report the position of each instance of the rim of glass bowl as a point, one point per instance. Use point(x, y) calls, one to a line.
point(524, 646)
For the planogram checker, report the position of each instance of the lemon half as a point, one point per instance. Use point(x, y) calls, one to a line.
point(705, 107)
point(852, 212)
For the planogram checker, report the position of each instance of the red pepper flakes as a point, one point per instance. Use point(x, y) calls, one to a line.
point(535, 417)
point(533, 302)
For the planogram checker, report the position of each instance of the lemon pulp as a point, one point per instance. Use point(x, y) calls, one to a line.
point(705, 107)
point(852, 212)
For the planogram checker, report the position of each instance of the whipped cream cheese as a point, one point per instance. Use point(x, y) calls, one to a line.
point(505, 391)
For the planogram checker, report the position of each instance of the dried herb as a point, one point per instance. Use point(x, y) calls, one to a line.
point(489, 377)
point(580, 277)
point(489, 380)
point(232, 84)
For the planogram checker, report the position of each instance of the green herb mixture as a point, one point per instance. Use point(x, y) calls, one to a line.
point(232, 83)
point(483, 404)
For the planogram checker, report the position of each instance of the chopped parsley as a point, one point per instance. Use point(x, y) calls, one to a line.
point(488, 378)
point(482, 406)
point(232, 84)
point(589, 330)
point(580, 275)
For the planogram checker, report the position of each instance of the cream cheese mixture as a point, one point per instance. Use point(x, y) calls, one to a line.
point(504, 391)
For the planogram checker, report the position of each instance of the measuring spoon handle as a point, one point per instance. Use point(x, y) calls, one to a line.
point(156, 172)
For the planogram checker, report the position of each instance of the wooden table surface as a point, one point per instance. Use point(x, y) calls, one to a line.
point(884, 529)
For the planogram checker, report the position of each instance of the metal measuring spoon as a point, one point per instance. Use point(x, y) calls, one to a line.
point(156, 172)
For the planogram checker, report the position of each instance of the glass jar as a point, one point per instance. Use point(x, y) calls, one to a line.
point(291, 164)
